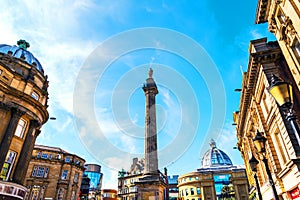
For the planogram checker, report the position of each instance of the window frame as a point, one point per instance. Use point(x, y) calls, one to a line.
point(35, 95)
point(40, 171)
point(21, 128)
point(9, 162)
point(64, 174)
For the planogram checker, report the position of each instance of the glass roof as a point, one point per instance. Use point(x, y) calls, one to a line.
point(215, 157)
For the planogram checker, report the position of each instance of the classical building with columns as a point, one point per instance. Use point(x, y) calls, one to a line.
point(283, 18)
point(23, 110)
point(276, 174)
point(53, 173)
point(217, 178)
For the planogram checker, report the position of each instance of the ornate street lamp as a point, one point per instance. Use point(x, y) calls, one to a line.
point(253, 164)
point(260, 142)
point(281, 91)
point(283, 94)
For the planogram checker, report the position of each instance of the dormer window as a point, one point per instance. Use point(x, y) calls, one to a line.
point(35, 95)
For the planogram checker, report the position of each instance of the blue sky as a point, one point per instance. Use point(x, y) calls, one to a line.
point(66, 36)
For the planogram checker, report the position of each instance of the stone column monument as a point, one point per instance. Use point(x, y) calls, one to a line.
point(152, 185)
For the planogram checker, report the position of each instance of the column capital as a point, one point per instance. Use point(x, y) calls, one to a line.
point(17, 113)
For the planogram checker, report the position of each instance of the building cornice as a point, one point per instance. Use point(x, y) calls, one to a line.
point(262, 10)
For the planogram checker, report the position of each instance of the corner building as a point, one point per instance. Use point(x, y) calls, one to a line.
point(54, 174)
point(258, 111)
point(93, 172)
point(216, 179)
point(23, 110)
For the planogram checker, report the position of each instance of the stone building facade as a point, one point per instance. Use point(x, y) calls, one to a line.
point(23, 110)
point(54, 174)
point(127, 188)
point(216, 179)
point(109, 194)
point(283, 18)
point(258, 111)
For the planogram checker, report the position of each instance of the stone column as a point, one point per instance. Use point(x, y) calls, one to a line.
point(151, 160)
point(9, 133)
point(4, 114)
point(25, 155)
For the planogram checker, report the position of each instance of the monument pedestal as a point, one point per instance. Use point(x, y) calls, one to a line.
point(151, 187)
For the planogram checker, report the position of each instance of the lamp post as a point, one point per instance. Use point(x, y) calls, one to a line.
point(253, 163)
point(260, 141)
point(283, 94)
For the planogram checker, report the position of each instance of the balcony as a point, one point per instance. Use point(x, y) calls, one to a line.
point(12, 190)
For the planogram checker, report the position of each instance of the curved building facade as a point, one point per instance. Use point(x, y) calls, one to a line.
point(23, 111)
point(93, 172)
point(54, 174)
point(218, 178)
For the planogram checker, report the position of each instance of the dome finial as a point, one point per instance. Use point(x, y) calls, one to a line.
point(23, 44)
point(212, 143)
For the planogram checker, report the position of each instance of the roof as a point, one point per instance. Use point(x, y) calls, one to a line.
point(215, 157)
point(21, 52)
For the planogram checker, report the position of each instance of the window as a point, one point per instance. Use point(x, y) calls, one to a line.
point(38, 155)
point(8, 165)
point(192, 191)
point(186, 192)
point(281, 17)
point(198, 190)
point(40, 171)
point(297, 48)
point(35, 192)
point(21, 128)
point(197, 178)
point(64, 174)
point(0, 71)
point(76, 177)
point(280, 147)
point(67, 159)
point(44, 155)
point(73, 195)
point(46, 172)
point(35, 95)
point(60, 194)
